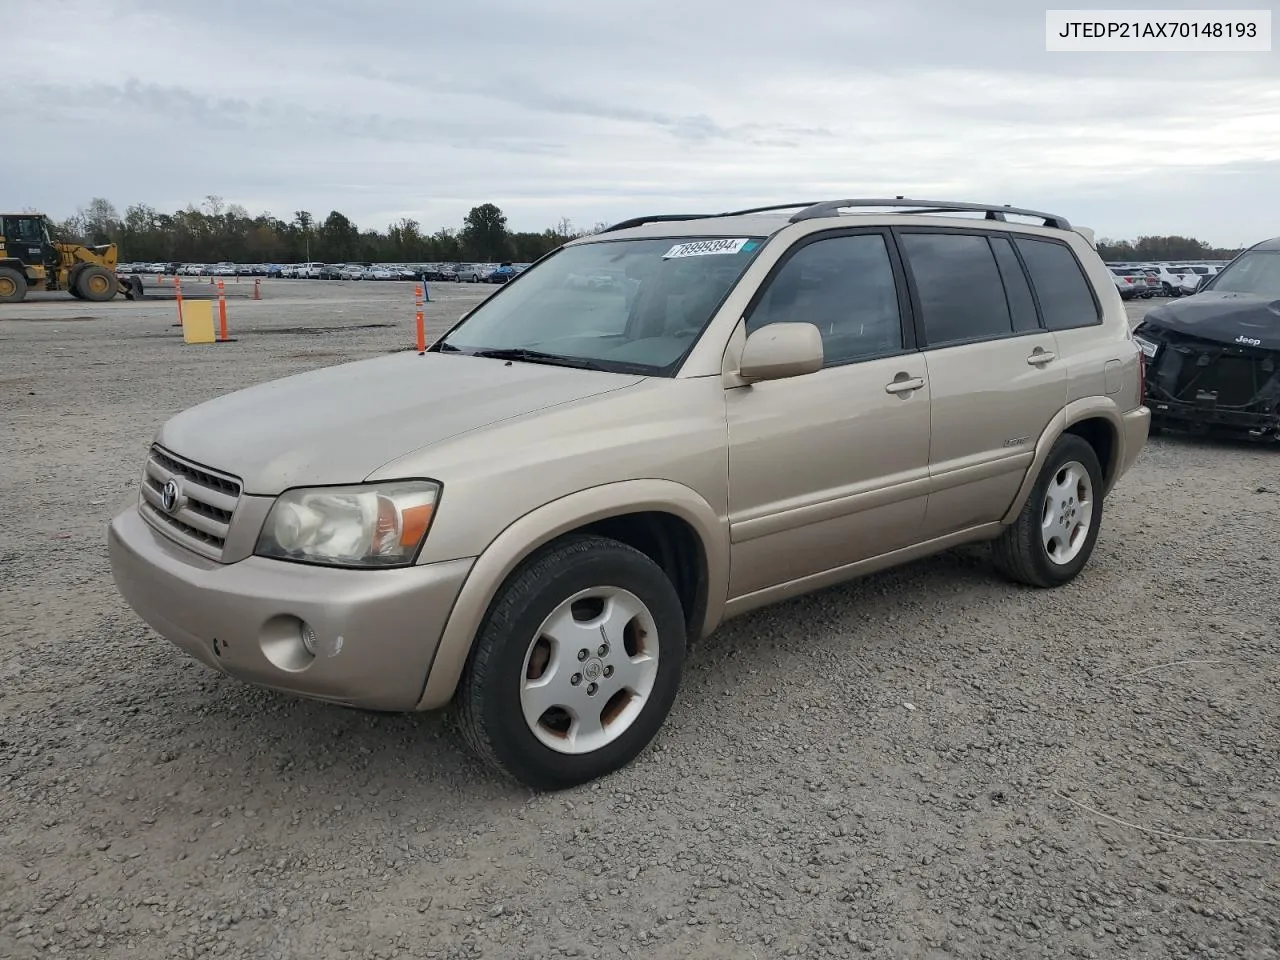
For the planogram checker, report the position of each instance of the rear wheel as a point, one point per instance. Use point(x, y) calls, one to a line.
point(13, 285)
point(96, 283)
point(576, 666)
point(1054, 535)
point(73, 286)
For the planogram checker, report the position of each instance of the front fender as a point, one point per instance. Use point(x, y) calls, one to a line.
point(552, 520)
point(1086, 408)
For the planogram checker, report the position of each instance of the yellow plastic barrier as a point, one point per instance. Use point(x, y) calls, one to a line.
point(197, 321)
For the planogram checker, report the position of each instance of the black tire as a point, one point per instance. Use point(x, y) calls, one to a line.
point(1020, 553)
point(488, 699)
point(96, 283)
point(13, 285)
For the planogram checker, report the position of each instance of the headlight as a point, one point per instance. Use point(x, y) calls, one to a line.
point(1149, 347)
point(371, 525)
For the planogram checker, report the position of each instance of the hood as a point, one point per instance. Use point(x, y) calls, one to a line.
point(1222, 317)
point(338, 424)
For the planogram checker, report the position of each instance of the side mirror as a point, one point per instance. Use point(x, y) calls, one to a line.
point(780, 350)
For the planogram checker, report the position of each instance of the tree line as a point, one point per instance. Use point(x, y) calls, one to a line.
point(1162, 248)
point(216, 231)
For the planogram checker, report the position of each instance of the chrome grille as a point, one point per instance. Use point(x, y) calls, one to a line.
point(206, 505)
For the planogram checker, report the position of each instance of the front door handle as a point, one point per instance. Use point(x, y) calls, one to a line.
point(1039, 356)
point(904, 386)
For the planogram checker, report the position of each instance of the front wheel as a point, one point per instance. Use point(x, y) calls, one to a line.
point(96, 283)
point(1054, 535)
point(13, 285)
point(576, 665)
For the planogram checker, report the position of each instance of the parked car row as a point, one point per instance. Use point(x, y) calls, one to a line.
point(1146, 280)
point(178, 268)
point(449, 272)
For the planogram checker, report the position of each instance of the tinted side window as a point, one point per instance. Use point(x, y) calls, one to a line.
point(846, 288)
point(1016, 289)
point(958, 283)
point(1066, 299)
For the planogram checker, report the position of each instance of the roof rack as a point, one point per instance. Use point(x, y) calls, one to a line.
point(655, 218)
point(670, 217)
point(826, 208)
point(992, 211)
point(768, 209)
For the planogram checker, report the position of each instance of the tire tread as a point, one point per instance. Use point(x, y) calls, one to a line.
point(520, 588)
point(1017, 552)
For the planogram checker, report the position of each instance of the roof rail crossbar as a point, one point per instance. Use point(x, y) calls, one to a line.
point(655, 218)
point(768, 209)
point(992, 211)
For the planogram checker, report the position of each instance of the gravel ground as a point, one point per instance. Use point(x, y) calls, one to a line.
point(927, 763)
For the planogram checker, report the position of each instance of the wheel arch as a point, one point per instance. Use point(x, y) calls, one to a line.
point(1096, 420)
point(655, 516)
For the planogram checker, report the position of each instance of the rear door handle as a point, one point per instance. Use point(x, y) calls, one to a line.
point(904, 386)
point(1041, 356)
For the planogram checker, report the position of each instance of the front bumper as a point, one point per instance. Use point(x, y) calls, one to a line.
point(1205, 418)
point(376, 630)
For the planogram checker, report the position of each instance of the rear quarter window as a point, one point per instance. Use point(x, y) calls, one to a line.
point(1062, 289)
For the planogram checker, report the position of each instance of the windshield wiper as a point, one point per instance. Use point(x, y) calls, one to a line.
point(537, 356)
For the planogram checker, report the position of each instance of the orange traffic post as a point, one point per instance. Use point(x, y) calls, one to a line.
point(422, 330)
point(177, 292)
point(222, 313)
point(257, 288)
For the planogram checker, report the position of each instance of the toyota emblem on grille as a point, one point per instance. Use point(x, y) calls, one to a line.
point(171, 495)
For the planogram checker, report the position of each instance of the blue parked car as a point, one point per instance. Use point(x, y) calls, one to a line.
point(502, 274)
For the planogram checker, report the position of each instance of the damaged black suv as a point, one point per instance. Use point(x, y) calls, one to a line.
point(1213, 359)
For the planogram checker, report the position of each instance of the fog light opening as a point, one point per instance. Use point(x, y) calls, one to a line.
point(289, 643)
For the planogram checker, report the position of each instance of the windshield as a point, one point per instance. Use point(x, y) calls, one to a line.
point(1256, 273)
point(623, 305)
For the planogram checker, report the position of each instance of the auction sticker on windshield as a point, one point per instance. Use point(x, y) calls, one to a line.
point(703, 248)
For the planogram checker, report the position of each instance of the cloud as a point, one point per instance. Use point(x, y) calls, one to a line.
point(600, 111)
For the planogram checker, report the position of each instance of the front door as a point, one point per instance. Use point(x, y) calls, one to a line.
point(997, 381)
point(830, 468)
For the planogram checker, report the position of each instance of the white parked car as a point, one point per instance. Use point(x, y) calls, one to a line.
point(352, 271)
point(309, 271)
point(1170, 277)
point(1200, 273)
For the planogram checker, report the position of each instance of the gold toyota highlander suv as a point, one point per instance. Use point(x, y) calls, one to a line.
point(653, 429)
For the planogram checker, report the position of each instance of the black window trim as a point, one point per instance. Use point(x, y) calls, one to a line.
point(1012, 236)
point(1026, 276)
point(918, 308)
point(906, 318)
point(1099, 317)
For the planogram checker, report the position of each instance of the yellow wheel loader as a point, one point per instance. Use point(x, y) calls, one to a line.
point(31, 259)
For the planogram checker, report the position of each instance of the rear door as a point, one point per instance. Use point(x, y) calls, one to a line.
point(994, 374)
point(1070, 310)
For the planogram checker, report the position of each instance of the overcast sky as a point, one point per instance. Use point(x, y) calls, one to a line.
point(602, 109)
